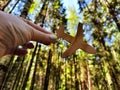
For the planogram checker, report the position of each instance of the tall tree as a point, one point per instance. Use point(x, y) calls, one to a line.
point(43, 67)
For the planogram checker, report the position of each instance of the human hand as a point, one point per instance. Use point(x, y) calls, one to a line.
point(15, 31)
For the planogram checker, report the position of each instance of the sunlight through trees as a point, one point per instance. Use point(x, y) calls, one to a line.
point(44, 69)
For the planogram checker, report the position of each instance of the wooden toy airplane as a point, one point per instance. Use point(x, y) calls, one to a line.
point(76, 42)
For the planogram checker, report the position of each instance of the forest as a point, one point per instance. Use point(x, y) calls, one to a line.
point(43, 68)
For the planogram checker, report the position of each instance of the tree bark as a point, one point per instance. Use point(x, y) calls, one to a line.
point(46, 83)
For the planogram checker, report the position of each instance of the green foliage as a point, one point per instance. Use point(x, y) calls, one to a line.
point(80, 71)
point(34, 6)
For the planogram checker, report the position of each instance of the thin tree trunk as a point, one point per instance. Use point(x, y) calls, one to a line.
point(18, 76)
point(35, 69)
point(88, 75)
point(113, 12)
point(3, 7)
point(46, 83)
point(66, 86)
point(29, 68)
point(42, 14)
point(6, 74)
point(27, 5)
point(71, 73)
point(3, 70)
point(14, 6)
point(75, 73)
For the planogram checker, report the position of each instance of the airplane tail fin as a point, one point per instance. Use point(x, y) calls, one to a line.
point(62, 34)
point(87, 48)
point(84, 46)
point(60, 31)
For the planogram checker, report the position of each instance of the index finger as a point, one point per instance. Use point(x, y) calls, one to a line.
point(37, 27)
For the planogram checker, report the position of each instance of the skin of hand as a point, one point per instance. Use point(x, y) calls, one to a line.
point(15, 31)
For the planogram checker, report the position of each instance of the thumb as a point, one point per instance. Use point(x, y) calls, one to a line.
point(43, 37)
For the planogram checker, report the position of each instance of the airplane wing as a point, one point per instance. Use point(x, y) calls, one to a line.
point(80, 31)
point(65, 36)
point(74, 46)
point(87, 48)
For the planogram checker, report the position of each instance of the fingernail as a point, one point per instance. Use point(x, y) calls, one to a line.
point(52, 36)
point(30, 45)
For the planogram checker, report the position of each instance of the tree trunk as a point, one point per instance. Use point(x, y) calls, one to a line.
point(46, 83)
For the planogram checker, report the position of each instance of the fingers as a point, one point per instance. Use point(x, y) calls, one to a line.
point(28, 45)
point(23, 51)
point(43, 37)
point(37, 27)
point(20, 52)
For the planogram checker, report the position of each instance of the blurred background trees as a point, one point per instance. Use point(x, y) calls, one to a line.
point(44, 69)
